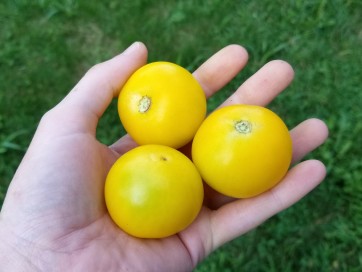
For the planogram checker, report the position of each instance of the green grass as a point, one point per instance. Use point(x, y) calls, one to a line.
point(46, 46)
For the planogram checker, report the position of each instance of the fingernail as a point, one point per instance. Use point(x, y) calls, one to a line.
point(132, 48)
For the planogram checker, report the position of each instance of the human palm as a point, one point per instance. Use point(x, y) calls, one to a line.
point(54, 213)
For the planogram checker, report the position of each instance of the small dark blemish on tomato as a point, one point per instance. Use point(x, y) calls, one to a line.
point(163, 158)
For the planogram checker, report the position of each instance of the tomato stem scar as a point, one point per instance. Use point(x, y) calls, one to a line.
point(243, 126)
point(144, 104)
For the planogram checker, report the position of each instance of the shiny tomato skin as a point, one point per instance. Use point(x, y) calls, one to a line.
point(243, 150)
point(153, 191)
point(162, 103)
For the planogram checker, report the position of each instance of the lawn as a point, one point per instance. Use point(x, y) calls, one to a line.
point(46, 46)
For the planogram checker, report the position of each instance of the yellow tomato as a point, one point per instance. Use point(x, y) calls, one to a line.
point(243, 150)
point(153, 191)
point(162, 103)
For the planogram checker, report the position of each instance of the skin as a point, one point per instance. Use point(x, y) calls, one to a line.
point(54, 217)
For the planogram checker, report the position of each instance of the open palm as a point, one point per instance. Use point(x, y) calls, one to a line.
point(54, 216)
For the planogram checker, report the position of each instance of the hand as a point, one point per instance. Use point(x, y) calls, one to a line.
point(54, 217)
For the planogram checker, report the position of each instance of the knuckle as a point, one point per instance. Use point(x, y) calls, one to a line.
point(94, 69)
point(48, 117)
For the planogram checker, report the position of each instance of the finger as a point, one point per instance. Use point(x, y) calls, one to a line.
point(261, 88)
point(123, 145)
point(307, 136)
point(88, 100)
point(222, 67)
point(241, 216)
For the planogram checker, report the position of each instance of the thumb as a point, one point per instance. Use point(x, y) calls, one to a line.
point(87, 101)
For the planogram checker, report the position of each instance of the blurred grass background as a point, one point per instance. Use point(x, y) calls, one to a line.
point(46, 46)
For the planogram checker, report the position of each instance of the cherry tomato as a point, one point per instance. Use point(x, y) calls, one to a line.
point(162, 103)
point(153, 191)
point(243, 150)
